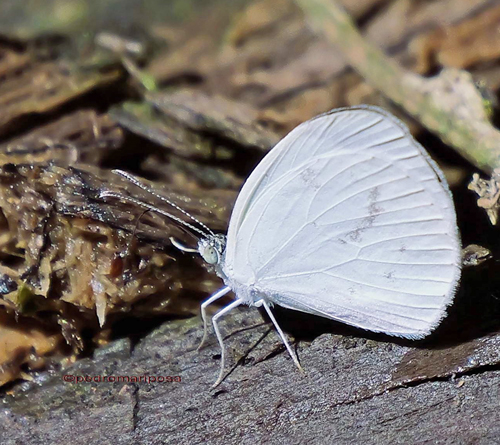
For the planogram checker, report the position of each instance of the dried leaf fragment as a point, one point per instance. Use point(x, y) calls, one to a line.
point(488, 192)
point(474, 255)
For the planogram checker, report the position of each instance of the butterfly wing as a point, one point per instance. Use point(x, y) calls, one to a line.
point(348, 218)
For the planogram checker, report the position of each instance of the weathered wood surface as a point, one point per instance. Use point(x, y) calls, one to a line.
point(357, 389)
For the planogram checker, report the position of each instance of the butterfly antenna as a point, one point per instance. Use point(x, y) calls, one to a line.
point(138, 202)
point(144, 187)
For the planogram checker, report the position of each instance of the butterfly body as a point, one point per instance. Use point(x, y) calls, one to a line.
point(347, 218)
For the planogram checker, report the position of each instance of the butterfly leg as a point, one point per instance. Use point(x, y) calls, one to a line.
point(181, 246)
point(281, 334)
point(216, 317)
point(219, 294)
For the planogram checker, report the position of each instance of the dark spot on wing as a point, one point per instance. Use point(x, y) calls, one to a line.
point(373, 211)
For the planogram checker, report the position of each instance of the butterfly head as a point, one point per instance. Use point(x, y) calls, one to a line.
point(212, 248)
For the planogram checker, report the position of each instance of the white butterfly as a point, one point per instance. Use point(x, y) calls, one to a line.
point(348, 218)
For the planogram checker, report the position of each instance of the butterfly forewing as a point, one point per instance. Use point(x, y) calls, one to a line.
point(348, 218)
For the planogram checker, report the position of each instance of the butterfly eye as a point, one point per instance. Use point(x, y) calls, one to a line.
point(210, 254)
